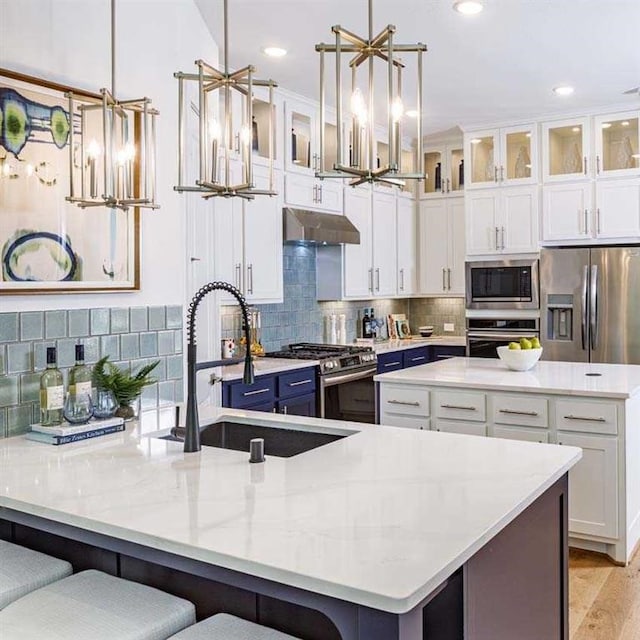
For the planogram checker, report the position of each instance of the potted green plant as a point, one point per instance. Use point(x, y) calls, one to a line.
point(126, 387)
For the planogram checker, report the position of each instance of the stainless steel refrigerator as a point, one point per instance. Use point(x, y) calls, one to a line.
point(590, 304)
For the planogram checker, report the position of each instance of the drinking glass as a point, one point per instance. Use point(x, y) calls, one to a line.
point(104, 403)
point(78, 408)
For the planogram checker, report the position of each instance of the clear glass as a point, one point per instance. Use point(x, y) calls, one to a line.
point(482, 160)
point(104, 403)
point(518, 155)
point(620, 145)
point(456, 162)
point(78, 408)
point(433, 169)
point(300, 139)
point(260, 129)
point(565, 150)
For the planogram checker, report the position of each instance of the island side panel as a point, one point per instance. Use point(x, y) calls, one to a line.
point(631, 479)
point(516, 586)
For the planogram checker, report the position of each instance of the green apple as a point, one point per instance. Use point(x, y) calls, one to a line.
point(514, 345)
point(525, 343)
point(535, 343)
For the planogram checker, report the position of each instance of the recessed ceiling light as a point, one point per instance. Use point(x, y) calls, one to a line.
point(563, 90)
point(274, 52)
point(412, 113)
point(468, 7)
point(606, 125)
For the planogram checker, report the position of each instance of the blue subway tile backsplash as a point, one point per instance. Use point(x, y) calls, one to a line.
point(129, 336)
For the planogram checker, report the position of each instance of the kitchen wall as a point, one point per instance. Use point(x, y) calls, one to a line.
point(301, 318)
point(130, 336)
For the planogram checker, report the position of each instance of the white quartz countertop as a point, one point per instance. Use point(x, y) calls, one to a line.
point(563, 378)
point(419, 341)
point(378, 518)
point(261, 366)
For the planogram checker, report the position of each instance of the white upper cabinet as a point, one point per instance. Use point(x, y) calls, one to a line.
point(617, 213)
point(566, 211)
point(444, 168)
point(267, 137)
point(383, 261)
point(501, 157)
point(301, 136)
point(566, 150)
point(407, 272)
point(358, 274)
point(617, 144)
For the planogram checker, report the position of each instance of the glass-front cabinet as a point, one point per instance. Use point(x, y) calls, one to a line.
point(502, 157)
point(444, 168)
point(262, 139)
point(565, 150)
point(617, 144)
point(301, 144)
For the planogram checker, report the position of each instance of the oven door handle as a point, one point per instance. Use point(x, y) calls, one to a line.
point(332, 380)
point(500, 336)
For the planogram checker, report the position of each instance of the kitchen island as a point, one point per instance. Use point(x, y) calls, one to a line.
point(592, 406)
point(390, 533)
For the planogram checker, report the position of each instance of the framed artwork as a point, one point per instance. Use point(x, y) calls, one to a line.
point(49, 245)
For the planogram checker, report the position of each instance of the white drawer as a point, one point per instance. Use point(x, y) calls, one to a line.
point(394, 420)
point(457, 405)
point(454, 426)
point(586, 416)
point(404, 400)
point(520, 410)
point(519, 433)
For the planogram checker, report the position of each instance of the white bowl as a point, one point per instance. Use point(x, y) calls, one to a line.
point(519, 359)
point(425, 331)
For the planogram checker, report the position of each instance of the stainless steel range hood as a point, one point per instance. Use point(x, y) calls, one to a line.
point(301, 225)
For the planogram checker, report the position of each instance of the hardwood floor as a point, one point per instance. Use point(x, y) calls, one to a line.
point(604, 600)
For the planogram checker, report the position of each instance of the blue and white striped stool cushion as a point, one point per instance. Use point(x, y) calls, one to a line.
point(92, 605)
point(23, 570)
point(223, 626)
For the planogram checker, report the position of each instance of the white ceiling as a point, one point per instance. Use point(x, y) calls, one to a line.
point(498, 65)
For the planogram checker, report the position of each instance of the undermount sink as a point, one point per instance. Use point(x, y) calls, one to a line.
point(278, 441)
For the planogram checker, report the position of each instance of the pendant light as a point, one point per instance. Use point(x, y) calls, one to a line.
point(115, 156)
point(217, 92)
point(361, 53)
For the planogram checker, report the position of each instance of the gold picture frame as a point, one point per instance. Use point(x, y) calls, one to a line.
point(47, 244)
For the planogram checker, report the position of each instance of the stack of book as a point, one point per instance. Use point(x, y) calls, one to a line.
point(67, 433)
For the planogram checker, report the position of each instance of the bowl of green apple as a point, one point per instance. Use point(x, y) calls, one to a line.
point(522, 355)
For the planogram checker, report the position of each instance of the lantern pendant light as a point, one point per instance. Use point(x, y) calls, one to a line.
point(217, 144)
point(362, 165)
point(116, 154)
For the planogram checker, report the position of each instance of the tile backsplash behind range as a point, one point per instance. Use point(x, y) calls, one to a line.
point(130, 336)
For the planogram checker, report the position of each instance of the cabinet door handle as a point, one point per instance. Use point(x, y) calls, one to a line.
point(449, 279)
point(238, 273)
point(585, 165)
point(418, 358)
point(195, 259)
point(377, 279)
point(392, 364)
point(502, 244)
point(444, 281)
point(404, 403)
point(518, 413)
point(401, 279)
point(297, 384)
point(320, 189)
point(497, 244)
point(495, 173)
point(448, 185)
point(284, 409)
point(256, 392)
point(237, 139)
point(586, 222)
point(458, 406)
point(501, 174)
point(315, 193)
point(598, 220)
point(584, 418)
point(250, 278)
point(371, 280)
point(598, 165)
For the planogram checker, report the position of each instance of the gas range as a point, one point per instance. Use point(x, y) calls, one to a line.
point(333, 358)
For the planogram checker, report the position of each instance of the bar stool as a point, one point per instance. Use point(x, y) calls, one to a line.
point(23, 570)
point(92, 605)
point(223, 626)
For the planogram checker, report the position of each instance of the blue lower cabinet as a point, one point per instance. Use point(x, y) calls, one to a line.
point(416, 357)
point(267, 407)
point(296, 383)
point(444, 352)
point(390, 361)
point(304, 405)
point(238, 395)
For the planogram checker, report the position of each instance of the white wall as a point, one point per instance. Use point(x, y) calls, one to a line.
point(68, 41)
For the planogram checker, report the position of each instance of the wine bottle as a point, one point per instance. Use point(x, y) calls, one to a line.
point(80, 375)
point(461, 174)
point(366, 325)
point(254, 134)
point(438, 176)
point(51, 392)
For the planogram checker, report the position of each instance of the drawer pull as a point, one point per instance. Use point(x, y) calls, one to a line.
point(584, 419)
point(408, 404)
point(392, 364)
point(297, 384)
point(256, 392)
point(519, 413)
point(458, 406)
point(418, 358)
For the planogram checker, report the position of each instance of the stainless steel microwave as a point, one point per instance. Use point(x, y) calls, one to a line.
point(502, 284)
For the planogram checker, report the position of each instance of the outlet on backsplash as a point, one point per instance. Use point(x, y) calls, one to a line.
point(449, 326)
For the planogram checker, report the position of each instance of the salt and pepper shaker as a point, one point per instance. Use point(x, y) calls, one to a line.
point(342, 328)
point(333, 328)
